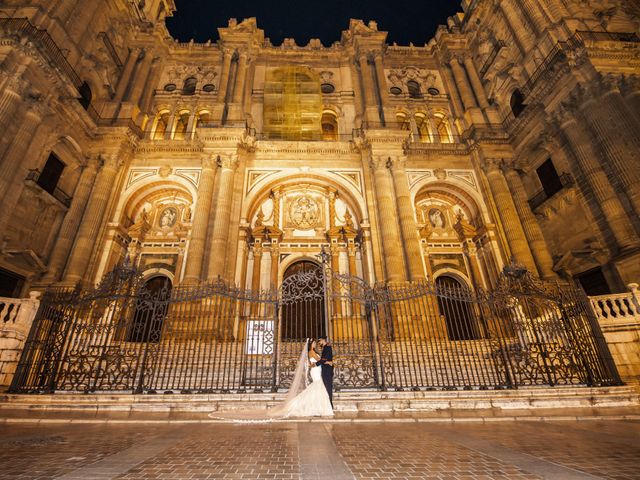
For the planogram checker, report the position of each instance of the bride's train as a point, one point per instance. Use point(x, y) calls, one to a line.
point(302, 400)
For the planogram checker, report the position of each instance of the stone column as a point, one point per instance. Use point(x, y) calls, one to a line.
point(450, 84)
point(464, 88)
point(357, 89)
point(580, 143)
point(193, 268)
point(257, 263)
point(369, 89)
point(516, 24)
point(382, 81)
point(125, 78)
point(618, 142)
point(478, 88)
point(407, 221)
point(630, 89)
point(15, 154)
point(224, 75)
point(10, 100)
point(220, 236)
point(241, 76)
point(530, 225)
point(140, 79)
point(534, 13)
point(508, 215)
point(71, 222)
point(388, 224)
point(92, 221)
point(147, 96)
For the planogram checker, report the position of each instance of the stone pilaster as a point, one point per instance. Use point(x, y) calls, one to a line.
point(140, 79)
point(224, 75)
point(220, 235)
point(462, 83)
point(193, 269)
point(579, 142)
point(630, 89)
point(10, 99)
point(125, 78)
point(508, 215)
point(18, 148)
point(394, 262)
point(408, 225)
point(476, 83)
point(71, 222)
point(371, 112)
point(241, 76)
point(530, 225)
point(534, 14)
point(617, 135)
point(92, 220)
point(516, 25)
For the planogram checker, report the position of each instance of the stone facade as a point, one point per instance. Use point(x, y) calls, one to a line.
point(513, 133)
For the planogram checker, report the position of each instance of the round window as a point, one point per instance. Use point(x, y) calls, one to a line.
point(327, 88)
point(433, 91)
point(169, 87)
point(209, 87)
point(395, 90)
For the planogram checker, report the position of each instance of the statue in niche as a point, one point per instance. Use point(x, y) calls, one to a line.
point(348, 219)
point(168, 217)
point(259, 218)
point(187, 214)
point(436, 218)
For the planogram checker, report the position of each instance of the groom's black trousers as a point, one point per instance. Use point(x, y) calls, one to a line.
point(327, 379)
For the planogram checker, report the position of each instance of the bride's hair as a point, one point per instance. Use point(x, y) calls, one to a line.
point(310, 344)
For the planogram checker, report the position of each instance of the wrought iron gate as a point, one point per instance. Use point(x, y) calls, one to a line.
point(123, 336)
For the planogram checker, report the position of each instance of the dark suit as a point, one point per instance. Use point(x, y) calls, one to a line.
point(327, 370)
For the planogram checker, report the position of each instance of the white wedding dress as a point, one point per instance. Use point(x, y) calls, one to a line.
point(302, 400)
point(313, 401)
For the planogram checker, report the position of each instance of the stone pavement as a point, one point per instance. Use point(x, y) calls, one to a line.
point(337, 450)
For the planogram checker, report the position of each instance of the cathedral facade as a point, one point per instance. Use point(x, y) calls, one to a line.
point(513, 134)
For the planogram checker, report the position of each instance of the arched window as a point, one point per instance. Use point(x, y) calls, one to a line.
point(182, 122)
point(443, 130)
point(455, 305)
point(85, 95)
point(149, 316)
point(203, 117)
point(422, 124)
point(329, 125)
point(517, 102)
point(303, 313)
point(161, 124)
point(189, 87)
point(414, 89)
point(403, 121)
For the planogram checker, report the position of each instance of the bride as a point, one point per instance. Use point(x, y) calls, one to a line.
point(302, 400)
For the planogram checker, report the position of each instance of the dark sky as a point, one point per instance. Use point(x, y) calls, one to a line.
point(405, 20)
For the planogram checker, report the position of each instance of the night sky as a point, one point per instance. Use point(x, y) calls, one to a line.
point(405, 20)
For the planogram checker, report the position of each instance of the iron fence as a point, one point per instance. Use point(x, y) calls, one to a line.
point(125, 335)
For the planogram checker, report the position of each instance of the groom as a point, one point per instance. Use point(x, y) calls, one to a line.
point(326, 362)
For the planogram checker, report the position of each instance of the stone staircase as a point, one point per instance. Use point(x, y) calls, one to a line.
point(560, 403)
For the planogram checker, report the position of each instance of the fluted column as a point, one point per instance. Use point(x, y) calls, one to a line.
point(147, 96)
point(193, 268)
point(388, 224)
point(240, 78)
point(579, 142)
point(220, 236)
point(531, 227)
point(630, 89)
point(71, 222)
point(462, 83)
point(450, 85)
point(224, 75)
point(407, 220)
point(10, 100)
point(92, 221)
point(509, 216)
point(476, 83)
point(382, 82)
point(21, 141)
point(619, 143)
point(516, 24)
point(125, 78)
point(534, 13)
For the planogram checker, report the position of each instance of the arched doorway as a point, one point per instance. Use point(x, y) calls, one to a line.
point(456, 308)
point(303, 307)
point(151, 310)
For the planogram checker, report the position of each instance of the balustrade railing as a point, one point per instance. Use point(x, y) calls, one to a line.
point(619, 306)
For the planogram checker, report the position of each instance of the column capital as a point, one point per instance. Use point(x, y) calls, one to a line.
point(630, 84)
point(228, 162)
point(397, 164)
point(209, 162)
point(493, 165)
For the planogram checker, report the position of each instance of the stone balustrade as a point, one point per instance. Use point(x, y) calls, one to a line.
point(619, 318)
point(16, 316)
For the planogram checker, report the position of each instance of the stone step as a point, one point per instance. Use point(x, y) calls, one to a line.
point(470, 403)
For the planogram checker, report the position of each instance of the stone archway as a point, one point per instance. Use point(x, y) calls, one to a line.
point(459, 318)
point(151, 310)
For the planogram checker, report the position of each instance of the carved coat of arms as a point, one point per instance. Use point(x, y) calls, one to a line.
point(304, 212)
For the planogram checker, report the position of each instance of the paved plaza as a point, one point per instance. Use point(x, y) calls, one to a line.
point(327, 450)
